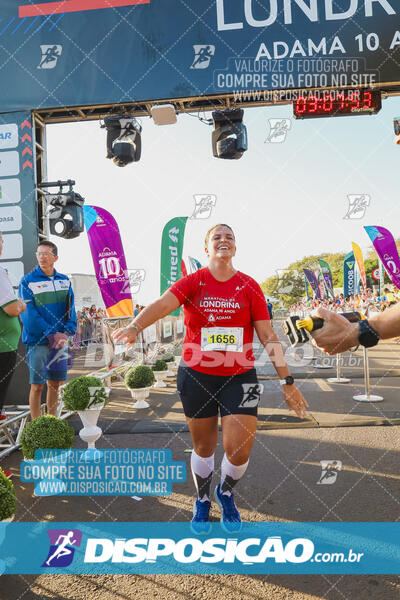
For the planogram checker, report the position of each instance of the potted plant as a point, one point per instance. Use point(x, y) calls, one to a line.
point(46, 433)
point(160, 370)
point(8, 500)
point(84, 393)
point(87, 396)
point(170, 360)
point(139, 381)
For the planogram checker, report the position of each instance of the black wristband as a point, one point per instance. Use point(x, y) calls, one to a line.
point(367, 336)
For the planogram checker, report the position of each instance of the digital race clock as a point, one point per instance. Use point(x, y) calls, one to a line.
point(337, 103)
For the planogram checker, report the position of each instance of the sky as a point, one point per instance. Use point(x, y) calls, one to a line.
point(283, 200)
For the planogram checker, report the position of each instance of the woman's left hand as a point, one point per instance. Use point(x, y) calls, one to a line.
point(295, 400)
point(125, 335)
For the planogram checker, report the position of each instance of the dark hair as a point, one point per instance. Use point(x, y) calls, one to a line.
point(209, 232)
point(51, 245)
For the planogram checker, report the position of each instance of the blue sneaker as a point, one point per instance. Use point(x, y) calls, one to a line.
point(230, 519)
point(200, 524)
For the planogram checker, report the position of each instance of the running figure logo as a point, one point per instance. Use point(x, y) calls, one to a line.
point(330, 470)
point(286, 280)
point(58, 357)
point(173, 233)
point(251, 394)
point(203, 205)
point(50, 56)
point(278, 129)
point(133, 281)
point(202, 56)
point(61, 552)
point(358, 204)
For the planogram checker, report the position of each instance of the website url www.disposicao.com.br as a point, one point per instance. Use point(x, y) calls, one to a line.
point(213, 550)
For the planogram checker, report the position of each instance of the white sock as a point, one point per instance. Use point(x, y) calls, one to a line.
point(230, 475)
point(202, 470)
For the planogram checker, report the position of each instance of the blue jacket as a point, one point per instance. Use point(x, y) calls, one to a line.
point(51, 308)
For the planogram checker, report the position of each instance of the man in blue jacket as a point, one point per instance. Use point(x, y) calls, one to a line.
point(47, 322)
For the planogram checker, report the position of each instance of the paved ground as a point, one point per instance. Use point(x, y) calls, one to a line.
point(280, 485)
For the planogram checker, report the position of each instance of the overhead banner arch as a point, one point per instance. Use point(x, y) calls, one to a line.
point(83, 53)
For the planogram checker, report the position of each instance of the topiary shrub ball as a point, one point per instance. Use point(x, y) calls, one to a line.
point(46, 433)
point(139, 377)
point(168, 358)
point(160, 365)
point(78, 394)
point(8, 501)
point(4, 481)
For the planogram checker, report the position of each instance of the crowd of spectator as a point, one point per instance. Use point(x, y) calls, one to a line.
point(89, 328)
point(368, 303)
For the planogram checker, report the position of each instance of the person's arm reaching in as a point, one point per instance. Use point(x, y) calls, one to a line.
point(338, 334)
point(387, 323)
point(158, 309)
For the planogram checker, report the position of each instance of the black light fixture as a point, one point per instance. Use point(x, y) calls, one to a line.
point(65, 212)
point(229, 138)
point(124, 142)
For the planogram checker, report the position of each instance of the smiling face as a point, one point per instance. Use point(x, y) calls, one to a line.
point(221, 243)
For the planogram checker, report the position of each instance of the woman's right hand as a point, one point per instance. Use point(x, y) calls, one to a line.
point(125, 335)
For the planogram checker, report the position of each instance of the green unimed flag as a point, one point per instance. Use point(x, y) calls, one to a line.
point(328, 281)
point(171, 253)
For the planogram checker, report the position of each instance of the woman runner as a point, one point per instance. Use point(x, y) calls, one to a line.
point(222, 307)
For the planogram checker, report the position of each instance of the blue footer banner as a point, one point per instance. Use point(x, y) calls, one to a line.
point(150, 548)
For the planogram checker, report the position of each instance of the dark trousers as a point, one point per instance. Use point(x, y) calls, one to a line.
point(7, 364)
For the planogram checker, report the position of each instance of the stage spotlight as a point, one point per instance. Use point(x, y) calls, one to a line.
point(229, 138)
point(66, 214)
point(124, 144)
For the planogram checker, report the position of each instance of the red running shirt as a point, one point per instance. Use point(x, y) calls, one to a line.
point(207, 302)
